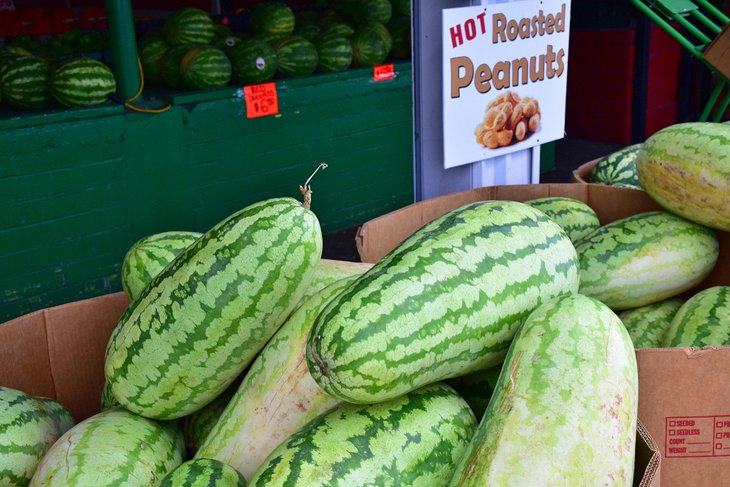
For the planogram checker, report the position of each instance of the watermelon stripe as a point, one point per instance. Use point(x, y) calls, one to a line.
point(647, 325)
point(704, 320)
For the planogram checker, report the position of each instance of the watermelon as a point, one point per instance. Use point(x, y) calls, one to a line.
point(685, 168)
point(645, 258)
point(203, 472)
point(363, 11)
point(704, 320)
point(114, 447)
point(189, 26)
point(618, 168)
point(445, 302)
point(400, 31)
point(329, 271)
point(371, 45)
point(253, 61)
point(575, 217)
point(648, 324)
point(205, 68)
point(415, 439)
point(24, 81)
point(334, 52)
point(200, 321)
point(277, 397)
point(28, 427)
point(151, 54)
point(170, 67)
point(149, 255)
point(337, 29)
point(108, 400)
point(309, 29)
point(477, 388)
point(296, 56)
point(272, 18)
point(401, 7)
point(197, 425)
point(82, 82)
point(569, 379)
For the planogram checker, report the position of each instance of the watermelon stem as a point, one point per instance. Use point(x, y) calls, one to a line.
point(315, 356)
point(306, 190)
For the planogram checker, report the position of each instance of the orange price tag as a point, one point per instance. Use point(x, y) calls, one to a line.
point(383, 72)
point(261, 100)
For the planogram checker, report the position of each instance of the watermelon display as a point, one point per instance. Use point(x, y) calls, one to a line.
point(704, 320)
point(575, 217)
point(415, 439)
point(272, 18)
point(205, 68)
point(208, 313)
point(82, 82)
point(618, 168)
point(151, 53)
point(203, 472)
point(114, 447)
point(648, 324)
point(296, 56)
point(189, 26)
point(569, 378)
point(645, 258)
point(170, 67)
point(685, 168)
point(334, 52)
point(24, 82)
point(28, 427)
point(149, 255)
point(371, 45)
point(447, 301)
point(253, 61)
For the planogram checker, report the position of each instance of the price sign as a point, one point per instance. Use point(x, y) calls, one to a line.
point(7, 5)
point(261, 100)
point(383, 72)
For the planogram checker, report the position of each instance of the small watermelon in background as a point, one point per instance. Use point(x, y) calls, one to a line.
point(307, 26)
point(296, 56)
point(24, 81)
point(203, 472)
point(576, 218)
point(648, 324)
point(618, 168)
point(371, 45)
point(401, 7)
point(335, 53)
point(703, 320)
point(82, 82)
point(400, 31)
point(253, 61)
point(363, 11)
point(477, 388)
point(272, 18)
point(205, 68)
point(170, 67)
point(226, 45)
point(336, 28)
point(150, 55)
point(188, 26)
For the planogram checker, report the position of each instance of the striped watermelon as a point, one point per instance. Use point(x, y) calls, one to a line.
point(330, 271)
point(371, 45)
point(24, 82)
point(445, 302)
point(253, 61)
point(618, 168)
point(28, 427)
point(277, 397)
point(189, 26)
point(205, 68)
point(272, 18)
point(363, 11)
point(203, 472)
point(337, 29)
point(401, 7)
point(308, 28)
point(477, 388)
point(296, 56)
point(415, 439)
point(149, 255)
point(200, 321)
point(645, 258)
point(334, 52)
point(114, 447)
point(685, 168)
point(565, 407)
point(704, 320)
point(82, 82)
point(575, 217)
point(108, 400)
point(170, 67)
point(197, 425)
point(151, 53)
point(648, 324)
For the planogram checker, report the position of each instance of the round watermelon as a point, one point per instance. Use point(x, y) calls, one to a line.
point(335, 53)
point(401, 7)
point(308, 29)
point(150, 56)
point(82, 82)
point(336, 28)
point(187, 26)
point(205, 68)
point(400, 31)
point(170, 67)
point(363, 11)
point(24, 81)
point(272, 19)
point(253, 61)
point(296, 56)
point(371, 45)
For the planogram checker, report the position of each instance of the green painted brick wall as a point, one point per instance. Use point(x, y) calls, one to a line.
point(78, 188)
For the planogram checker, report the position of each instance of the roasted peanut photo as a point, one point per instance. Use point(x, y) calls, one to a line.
point(508, 118)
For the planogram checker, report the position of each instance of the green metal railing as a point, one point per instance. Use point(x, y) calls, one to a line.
point(700, 22)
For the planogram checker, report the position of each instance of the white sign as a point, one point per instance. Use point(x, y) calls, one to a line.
point(505, 72)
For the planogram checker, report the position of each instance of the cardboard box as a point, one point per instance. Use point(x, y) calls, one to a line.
point(584, 172)
point(679, 389)
point(717, 53)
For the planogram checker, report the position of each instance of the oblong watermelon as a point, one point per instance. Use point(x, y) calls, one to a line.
point(575, 217)
point(203, 472)
point(703, 320)
point(24, 81)
point(618, 168)
point(82, 82)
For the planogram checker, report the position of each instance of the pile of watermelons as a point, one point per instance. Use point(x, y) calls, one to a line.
point(192, 51)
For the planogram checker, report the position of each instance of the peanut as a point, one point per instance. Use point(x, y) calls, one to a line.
point(534, 122)
point(521, 130)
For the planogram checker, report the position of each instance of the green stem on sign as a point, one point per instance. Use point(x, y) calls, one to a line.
point(306, 190)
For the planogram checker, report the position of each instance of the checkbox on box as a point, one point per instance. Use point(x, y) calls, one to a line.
point(718, 446)
point(671, 432)
point(672, 423)
point(718, 424)
point(718, 436)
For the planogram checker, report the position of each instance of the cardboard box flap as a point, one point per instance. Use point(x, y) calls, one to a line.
point(59, 352)
point(648, 459)
point(717, 53)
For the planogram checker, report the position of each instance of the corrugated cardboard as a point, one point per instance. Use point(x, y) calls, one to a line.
point(584, 172)
point(718, 52)
point(673, 383)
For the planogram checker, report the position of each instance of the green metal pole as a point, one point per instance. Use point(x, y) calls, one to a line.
point(124, 47)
